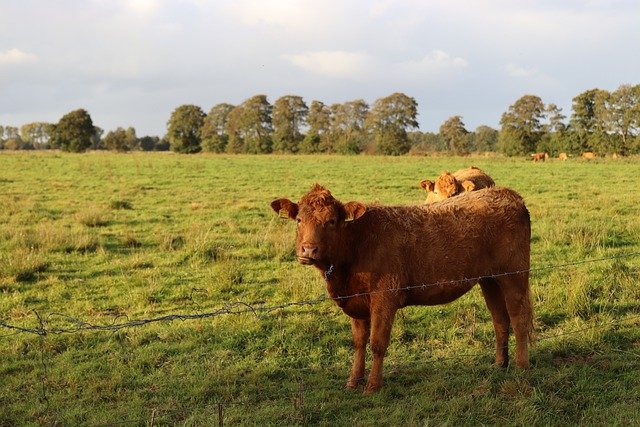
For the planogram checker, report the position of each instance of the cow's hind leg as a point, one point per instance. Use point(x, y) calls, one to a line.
point(497, 306)
point(518, 300)
point(360, 331)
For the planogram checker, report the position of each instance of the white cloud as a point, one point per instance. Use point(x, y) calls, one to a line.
point(143, 6)
point(16, 56)
point(381, 8)
point(363, 67)
point(437, 62)
point(516, 71)
point(294, 15)
point(340, 64)
point(138, 7)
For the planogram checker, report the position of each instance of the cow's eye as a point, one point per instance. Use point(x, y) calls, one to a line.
point(298, 220)
point(331, 222)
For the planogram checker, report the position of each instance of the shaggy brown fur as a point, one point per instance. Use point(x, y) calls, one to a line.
point(562, 156)
point(450, 184)
point(389, 252)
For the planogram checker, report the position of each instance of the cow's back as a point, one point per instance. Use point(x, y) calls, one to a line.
point(479, 178)
point(475, 234)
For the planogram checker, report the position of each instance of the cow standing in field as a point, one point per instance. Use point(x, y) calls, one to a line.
point(537, 157)
point(562, 156)
point(451, 184)
point(589, 155)
point(378, 259)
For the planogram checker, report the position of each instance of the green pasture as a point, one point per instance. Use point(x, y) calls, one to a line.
point(106, 238)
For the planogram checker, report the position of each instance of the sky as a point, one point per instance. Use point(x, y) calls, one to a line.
point(132, 62)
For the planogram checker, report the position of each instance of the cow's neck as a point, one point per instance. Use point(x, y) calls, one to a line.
point(336, 279)
point(336, 274)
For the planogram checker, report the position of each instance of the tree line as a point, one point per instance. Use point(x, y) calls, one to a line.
point(601, 121)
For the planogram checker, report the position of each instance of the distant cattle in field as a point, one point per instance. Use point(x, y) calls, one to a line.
point(562, 156)
point(378, 259)
point(588, 155)
point(451, 184)
point(537, 157)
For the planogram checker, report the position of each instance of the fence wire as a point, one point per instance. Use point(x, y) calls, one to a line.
point(239, 307)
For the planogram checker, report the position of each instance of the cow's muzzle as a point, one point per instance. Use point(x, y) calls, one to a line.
point(308, 255)
point(306, 260)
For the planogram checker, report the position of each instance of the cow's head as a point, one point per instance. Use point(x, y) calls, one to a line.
point(321, 224)
point(445, 186)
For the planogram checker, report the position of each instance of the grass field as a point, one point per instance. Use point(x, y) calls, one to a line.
point(106, 238)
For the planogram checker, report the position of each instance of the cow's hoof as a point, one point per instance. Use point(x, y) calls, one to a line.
point(351, 385)
point(372, 388)
point(502, 363)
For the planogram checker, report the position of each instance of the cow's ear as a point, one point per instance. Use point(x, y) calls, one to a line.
point(427, 185)
point(353, 211)
point(468, 186)
point(285, 208)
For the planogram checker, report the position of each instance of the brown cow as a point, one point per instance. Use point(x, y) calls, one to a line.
point(562, 156)
point(378, 259)
point(539, 156)
point(588, 155)
point(450, 184)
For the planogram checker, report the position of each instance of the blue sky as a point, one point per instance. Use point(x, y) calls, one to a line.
point(131, 63)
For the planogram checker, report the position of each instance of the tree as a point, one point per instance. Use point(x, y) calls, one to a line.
point(74, 132)
point(162, 144)
point(454, 134)
point(10, 139)
point(318, 120)
point(521, 126)
point(184, 127)
point(214, 136)
point(554, 132)
point(389, 120)
point(121, 140)
point(16, 144)
point(233, 129)
point(9, 132)
point(249, 127)
point(624, 115)
point(37, 134)
point(485, 138)
point(346, 131)
point(583, 116)
point(148, 143)
point(588, 119)
point(289, 115)
point(132, 138)
point(425, 142)
point(96, 139)
point(255, 125)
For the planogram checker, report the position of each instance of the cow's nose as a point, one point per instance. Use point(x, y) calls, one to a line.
point(309, 251)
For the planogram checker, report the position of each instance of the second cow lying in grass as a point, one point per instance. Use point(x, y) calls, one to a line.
point(378, 259)
point(451, 184)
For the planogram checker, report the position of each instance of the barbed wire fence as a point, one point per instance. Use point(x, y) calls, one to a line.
point(259, 309)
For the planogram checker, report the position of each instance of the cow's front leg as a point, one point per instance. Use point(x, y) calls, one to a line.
point(360, 331)
point(381, 322)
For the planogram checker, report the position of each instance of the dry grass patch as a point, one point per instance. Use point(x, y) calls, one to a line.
point(21, 265)
point(92, 217)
